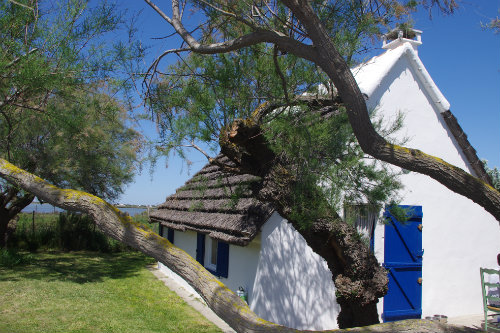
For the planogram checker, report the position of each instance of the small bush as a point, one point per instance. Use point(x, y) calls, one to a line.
point(11, 258)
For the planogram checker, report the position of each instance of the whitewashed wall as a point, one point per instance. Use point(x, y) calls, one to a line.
point(293, 285)
point(458, 235)
point(242, 263)
point(287, 282)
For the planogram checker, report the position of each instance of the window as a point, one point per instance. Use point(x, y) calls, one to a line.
point(213, 255)
point(170, 233)
point(364, 218)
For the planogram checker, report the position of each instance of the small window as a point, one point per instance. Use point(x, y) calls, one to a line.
point(170, 233)
point(364, 217)
point(213, 255)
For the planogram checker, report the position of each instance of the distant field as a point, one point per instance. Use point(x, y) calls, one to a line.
point(91, 292)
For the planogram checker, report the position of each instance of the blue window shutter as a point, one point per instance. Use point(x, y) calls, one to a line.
point(170, 235)
point(160, 229)
point(222, 259)
point(200, 249)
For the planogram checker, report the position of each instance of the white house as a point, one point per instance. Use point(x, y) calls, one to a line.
point(433, 260)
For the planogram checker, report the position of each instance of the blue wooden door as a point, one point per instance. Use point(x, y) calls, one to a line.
point(403, 260)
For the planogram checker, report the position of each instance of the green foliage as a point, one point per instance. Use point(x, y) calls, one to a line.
point(328, 164)
point(494, 174)
point(81, 143)
point(78, 232)
point(10, 258)
point(57, 72)
point(202, 94)
point(64, 231)
point(401, 214)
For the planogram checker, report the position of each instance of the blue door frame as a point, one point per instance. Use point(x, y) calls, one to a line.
point(403, 259)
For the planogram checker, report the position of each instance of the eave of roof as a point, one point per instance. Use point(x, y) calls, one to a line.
point(216, 203)
point(468, 150)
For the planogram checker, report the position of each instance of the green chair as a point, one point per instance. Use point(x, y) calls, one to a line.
point(489, 299)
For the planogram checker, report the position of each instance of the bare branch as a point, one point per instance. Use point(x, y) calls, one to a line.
point(159, 11)
point(284, 42)
point(17, 59)
point(233, 15)
point(22, 5)
point(155, 63)
point(280, 73)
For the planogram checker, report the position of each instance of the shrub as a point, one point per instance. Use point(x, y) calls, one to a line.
point(10, 258)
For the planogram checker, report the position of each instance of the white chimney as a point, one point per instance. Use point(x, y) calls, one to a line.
point(397, 37)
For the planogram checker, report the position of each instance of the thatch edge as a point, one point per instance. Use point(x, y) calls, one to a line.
point(469, 151)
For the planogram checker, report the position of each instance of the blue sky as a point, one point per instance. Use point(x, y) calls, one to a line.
point(462, 58)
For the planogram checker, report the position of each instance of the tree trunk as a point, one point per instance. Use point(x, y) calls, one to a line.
point(219, 298)
point(11, 204)
point(359, 279)
point(4, 221)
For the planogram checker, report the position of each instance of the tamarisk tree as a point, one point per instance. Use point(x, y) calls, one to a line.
point(309, 174)
point(57, 116)
point(311, 30)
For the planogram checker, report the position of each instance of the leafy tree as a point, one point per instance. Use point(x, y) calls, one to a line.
point(310, 40)
point(56, 114)
point(494, 174)
point(198, 99)
point(318, 172)
point(304, 29)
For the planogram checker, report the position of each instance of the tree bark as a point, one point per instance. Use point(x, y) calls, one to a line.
point(359, 279)
point(219, 298)
point(10, 206)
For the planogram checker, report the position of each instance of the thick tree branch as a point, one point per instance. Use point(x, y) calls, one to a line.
point(326, 56)
point(330, 61)
point(284, 42)
point(219, 298)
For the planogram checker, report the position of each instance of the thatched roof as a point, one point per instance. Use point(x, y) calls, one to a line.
point(222, 204)
point(216, 203)
point(468, 150)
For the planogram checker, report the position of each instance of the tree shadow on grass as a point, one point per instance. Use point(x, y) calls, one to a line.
point(78, 267)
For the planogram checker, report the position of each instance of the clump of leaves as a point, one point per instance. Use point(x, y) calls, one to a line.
point(328, 163)
point(494, 174)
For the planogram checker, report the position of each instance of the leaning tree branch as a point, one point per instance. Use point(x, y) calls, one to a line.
point(331, 61)
point(123, 228)
point(324, 54)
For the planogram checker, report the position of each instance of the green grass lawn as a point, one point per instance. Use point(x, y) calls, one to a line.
point(91, 292)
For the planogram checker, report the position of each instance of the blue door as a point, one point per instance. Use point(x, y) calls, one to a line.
point(403, 260)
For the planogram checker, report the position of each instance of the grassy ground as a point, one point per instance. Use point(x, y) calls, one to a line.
point(91, 292)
